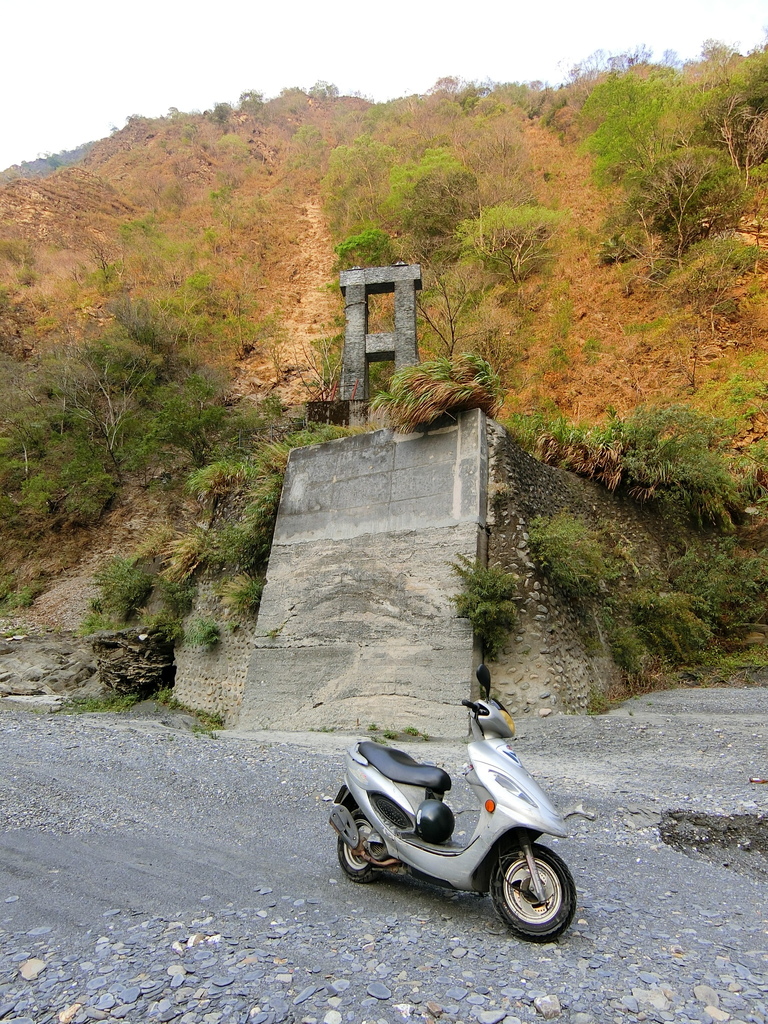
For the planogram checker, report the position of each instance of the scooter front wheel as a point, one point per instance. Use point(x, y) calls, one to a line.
point(517, 904)
point(354, 867)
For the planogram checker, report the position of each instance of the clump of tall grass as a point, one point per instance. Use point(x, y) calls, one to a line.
point(219, 479)
point(185, 555)
point(673, 452)
point(418, 395)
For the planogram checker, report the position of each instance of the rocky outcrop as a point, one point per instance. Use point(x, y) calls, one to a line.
point(132, 662)
point(47, 664)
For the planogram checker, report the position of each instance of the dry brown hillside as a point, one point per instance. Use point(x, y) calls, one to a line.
point(177, 290)
point(241, 203)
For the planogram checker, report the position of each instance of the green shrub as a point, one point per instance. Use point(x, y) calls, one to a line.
point(728, 586)
point(598, 702)
point(165, 625)
point(669, 626)
point(7, 585)
point(202, 632)
point(243, 546)
point(682, 452)
point(570, 553)
point(88, 488)
point(22, 597)
point(177, 597)
point(487, 600)
point(124, 587)
point(627, 649)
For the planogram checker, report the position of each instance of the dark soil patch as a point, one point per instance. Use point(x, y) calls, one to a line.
point(736, 841)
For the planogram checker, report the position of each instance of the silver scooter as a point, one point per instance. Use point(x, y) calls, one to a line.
point(390, 816)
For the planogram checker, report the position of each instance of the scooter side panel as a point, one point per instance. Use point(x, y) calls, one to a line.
point(501, 772)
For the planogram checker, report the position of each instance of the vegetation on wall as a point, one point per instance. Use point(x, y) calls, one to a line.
point(487, 599)
point(693, 608)
point(572, 554)
point(673, 455)
point(417, 395)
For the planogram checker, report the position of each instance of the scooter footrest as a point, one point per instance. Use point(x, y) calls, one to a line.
point(341, 821)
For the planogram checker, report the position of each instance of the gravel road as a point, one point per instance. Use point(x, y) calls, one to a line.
point(149, 874)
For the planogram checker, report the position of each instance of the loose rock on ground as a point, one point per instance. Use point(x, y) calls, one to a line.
point(147, 874)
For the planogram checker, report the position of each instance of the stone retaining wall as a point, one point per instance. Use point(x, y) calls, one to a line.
point(556, 657)
point(214, 680)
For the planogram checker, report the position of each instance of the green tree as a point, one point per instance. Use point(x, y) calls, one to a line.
point(102, 385)
point(742, 129)
point(251, 102)
point(221, 113)
point(191, 417)
point(428, 198)
point(513, 240)
point(635, 120)
point(369, 248)
point(356, 183)
point(324, 91)
point(688, 196)
point(448, 306)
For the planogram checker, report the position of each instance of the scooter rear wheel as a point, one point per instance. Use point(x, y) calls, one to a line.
point(357, 868)
point(518, 906)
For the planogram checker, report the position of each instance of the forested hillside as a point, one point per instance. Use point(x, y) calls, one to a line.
point(602, 245)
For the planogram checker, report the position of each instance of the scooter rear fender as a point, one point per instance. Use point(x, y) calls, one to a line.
point(364, 778)
point(345, 798)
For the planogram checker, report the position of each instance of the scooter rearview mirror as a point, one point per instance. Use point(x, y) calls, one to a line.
point(484, 678)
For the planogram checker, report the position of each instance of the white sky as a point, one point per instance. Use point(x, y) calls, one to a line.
point(71, 71)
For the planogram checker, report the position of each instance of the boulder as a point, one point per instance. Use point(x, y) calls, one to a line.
point(133, 662)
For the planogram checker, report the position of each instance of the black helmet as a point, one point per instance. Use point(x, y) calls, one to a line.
point(434, 821)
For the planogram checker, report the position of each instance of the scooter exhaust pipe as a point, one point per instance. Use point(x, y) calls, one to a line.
point(344, 825)
point(390, 862)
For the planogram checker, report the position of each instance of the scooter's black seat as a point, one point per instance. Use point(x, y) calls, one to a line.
point(401, 767)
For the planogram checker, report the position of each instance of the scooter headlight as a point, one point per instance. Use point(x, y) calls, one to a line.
point(494, 720)
point(508, 719)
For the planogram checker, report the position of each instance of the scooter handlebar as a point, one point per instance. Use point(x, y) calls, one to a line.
point(471, 705)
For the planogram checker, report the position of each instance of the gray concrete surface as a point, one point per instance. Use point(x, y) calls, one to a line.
point(356, 622)
point(162, 876)
point(362, 348)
